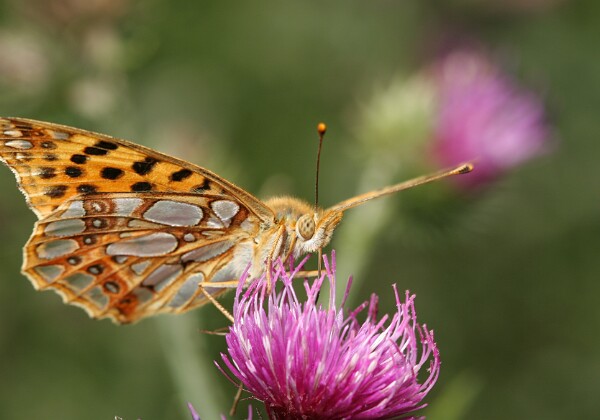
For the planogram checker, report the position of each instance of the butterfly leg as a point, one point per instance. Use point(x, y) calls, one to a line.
point(214, 301)
point(219, 331)
point(236, 399)
point(269, 274)
point(275, 252)
point(220, 284)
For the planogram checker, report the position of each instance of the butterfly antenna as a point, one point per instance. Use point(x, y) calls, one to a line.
point(462, 169)
point(321, 129)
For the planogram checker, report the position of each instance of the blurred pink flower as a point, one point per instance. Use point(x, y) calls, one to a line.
point(484, 117)
point(306, 361)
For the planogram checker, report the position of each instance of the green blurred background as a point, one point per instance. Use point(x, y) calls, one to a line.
point(509, 282)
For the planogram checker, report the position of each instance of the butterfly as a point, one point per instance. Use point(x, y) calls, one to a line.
point(126, 232)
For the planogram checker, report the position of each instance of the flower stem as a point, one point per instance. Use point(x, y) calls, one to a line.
point(191, 364)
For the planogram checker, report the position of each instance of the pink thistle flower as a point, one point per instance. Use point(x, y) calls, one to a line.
point(305, 361)
point(483, 116)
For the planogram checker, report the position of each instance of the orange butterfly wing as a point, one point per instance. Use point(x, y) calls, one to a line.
point(54, 162)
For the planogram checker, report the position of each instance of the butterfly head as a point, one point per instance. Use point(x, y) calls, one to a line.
point(306, 230)
point(314, 230)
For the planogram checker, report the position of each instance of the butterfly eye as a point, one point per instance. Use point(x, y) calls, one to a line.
point(305, 226)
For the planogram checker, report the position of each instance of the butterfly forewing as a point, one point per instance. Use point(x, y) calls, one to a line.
point(54, 162)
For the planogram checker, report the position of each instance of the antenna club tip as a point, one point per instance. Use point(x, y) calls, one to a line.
point(321, 128)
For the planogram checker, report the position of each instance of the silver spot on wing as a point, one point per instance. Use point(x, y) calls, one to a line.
point(120, 259)
point(19, 144)
point(225, 210)
point(153, 245)
point(126, 206)
point(79, 281)
point(97, 296)
point(144, 295)
point(50, 272)
point(215, 223)
point(187, 290)
point(59, 135)
point(13, 133)
point(75, 210)
point(97, 207)
point(73, 260)
point(174, 213)
point(95, 269)
point(67, 227)
point(55, 249)
point(139, 268)
point(207, 252)
point(163, 276)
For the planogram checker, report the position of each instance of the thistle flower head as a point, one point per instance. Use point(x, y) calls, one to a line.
point(306, 361)
point(483, 115)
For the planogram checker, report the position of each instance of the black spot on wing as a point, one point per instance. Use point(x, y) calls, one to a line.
point(205, 186)
point(48, 145)
point(86, 189)
point(95, 151)
point(102, 144)
point(111, 173)
point(141, 187)
point(47, 172)
point(56, 191)
point(144, 166)
point(73, 172)
point(180, 175)
point(50, 157)
point(79, 159)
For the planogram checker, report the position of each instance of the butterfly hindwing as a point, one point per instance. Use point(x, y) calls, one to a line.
point(125, 256)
